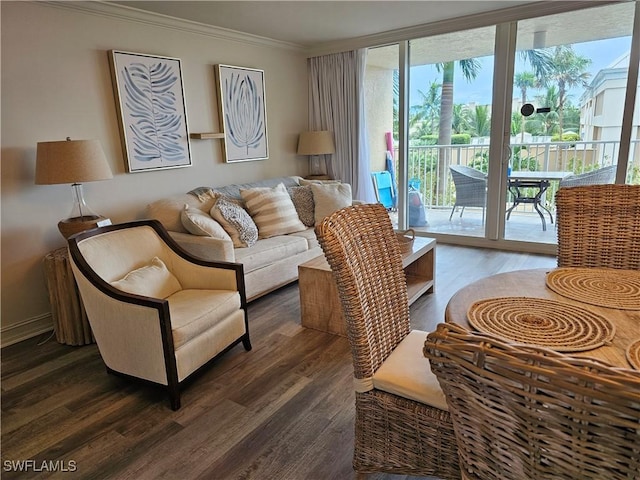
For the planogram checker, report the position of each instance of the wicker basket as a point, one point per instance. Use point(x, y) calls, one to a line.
point(405, 239)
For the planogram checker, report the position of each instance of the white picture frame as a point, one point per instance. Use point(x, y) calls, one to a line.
point(152, 113)
point(243, 113)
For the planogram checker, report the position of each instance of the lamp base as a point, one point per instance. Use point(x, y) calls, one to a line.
point(71, 226)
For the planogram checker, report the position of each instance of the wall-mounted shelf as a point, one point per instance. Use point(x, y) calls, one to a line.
point(206, 136)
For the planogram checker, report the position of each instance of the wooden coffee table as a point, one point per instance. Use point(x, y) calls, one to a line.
point(320, 306)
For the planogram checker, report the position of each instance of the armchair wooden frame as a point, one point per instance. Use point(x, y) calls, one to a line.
point(160, 305)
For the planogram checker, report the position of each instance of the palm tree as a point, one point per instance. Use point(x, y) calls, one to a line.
point(480, 121)
point(569, 70)
point(427, 111)
point(524, 81)
point(460, 120)
point(470, 68)
point(546, 123)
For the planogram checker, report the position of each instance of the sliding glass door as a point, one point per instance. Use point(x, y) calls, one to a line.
point(569, 90)
point(477, 128)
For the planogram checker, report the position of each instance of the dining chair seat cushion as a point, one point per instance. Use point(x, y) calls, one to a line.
point(407, 373)
point(195, 311)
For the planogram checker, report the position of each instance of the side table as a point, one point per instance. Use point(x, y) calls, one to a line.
point(70, 321)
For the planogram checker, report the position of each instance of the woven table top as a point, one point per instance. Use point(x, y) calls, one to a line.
point(633, 354)
point(610, 288)
point(547, 323)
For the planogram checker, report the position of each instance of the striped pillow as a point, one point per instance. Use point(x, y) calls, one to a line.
point(272, 210)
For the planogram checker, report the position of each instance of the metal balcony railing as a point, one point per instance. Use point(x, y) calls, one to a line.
point(430, 164)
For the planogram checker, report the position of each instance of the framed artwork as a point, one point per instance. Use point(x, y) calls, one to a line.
point(243, 114)
point(151, 108)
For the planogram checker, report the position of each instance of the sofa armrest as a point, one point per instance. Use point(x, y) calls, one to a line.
point(206, 248)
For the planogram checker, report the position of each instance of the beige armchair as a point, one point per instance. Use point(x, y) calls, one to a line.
point(157, 313)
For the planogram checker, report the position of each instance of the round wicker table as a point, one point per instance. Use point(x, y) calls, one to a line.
point(531, 284)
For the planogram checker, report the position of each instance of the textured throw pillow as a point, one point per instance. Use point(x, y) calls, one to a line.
point(302, 198)
point(330, 197)
point(200, 223)
point(272, 211)
point(152, 280)
point(236, 222)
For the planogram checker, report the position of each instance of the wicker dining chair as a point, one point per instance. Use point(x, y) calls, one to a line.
point(599, 226)
point(401, 423)
point(524, 412)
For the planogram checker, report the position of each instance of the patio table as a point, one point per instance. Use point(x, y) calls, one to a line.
point(531, 284)
point(540, 182)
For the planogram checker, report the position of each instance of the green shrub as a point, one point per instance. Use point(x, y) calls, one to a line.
point(460, 139)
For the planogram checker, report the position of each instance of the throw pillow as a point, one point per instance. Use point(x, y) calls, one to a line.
point(272, 210)
point(236, 222)
point(200, 223)
point(330, 197)
point(152, 280)
point(302, 198)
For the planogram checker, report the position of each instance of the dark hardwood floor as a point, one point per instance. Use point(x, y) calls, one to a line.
point(282, 411)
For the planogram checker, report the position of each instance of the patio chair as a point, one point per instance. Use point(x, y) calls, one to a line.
point(595, 177)
point(599, 226)
point(384, 188)
point(157, 313)
point(524, 412)
point(401, 424)
point(471, 188)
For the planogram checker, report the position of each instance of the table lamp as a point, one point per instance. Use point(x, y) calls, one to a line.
point(74, 162)
point(314, 144)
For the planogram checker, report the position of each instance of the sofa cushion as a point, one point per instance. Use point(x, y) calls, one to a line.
point(309, 235)
point(195, 311)
point(236, 222)
point(270, 250)
point(152, 280)
point(200, 223)
point(169, 210)
point(272, 210)
point(330, 197)
point(302, 198)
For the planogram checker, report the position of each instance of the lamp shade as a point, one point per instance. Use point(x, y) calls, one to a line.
point(71, 161)
point(316, 143)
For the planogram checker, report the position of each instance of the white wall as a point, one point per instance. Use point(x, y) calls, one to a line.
point(56, 83)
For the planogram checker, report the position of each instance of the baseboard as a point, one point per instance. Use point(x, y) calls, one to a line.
point(29, 328)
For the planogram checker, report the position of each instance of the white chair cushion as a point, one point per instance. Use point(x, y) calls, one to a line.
point(407, 373)
point(152, 280)
point(196, 311)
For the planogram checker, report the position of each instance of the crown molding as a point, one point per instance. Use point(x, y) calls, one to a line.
point(126, 13)
point(478, 20)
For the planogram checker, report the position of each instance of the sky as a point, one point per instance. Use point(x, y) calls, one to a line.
point(601, 52)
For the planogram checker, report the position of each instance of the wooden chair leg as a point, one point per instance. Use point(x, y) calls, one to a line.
point(246, 342)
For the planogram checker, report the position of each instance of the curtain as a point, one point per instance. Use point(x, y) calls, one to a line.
point(336, 103)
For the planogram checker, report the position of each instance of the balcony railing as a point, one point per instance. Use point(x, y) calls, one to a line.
point(431, 163)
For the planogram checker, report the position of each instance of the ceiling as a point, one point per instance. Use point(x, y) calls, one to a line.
point(308, 23)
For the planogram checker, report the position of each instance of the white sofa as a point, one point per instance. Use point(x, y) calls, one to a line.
point(268, 264)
